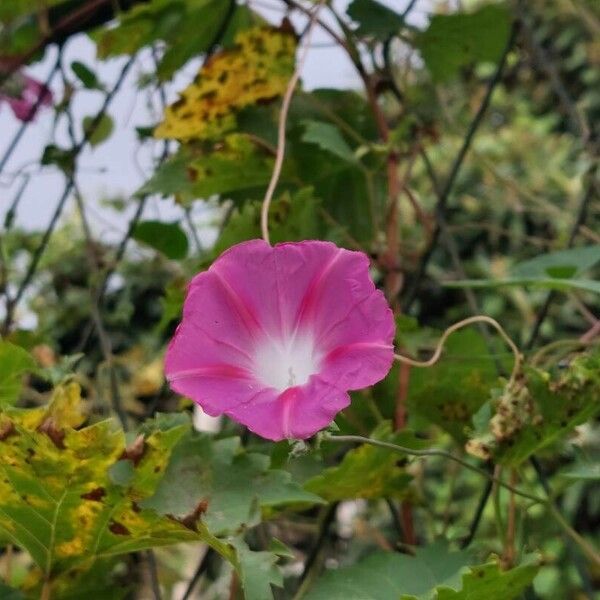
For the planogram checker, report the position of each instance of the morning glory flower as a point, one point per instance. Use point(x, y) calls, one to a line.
point(274, 337)
point(23, 94)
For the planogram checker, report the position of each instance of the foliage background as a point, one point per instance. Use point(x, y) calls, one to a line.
point(465, 146)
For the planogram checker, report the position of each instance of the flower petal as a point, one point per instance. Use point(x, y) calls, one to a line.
point(274, 281)
point(297, 413)
point(263, 315)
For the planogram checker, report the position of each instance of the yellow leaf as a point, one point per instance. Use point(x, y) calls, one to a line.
point(256, 70)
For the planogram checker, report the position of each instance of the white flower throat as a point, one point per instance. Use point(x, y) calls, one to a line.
point(286, 363)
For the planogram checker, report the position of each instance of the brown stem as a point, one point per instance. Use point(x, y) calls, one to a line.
point(46, 590)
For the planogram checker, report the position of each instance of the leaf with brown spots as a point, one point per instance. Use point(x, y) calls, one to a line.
point(540, 409)
point(59, 502)
point(256, 70)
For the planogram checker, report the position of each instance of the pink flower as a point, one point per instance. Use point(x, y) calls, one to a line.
point(23, 94)
point(274, 337)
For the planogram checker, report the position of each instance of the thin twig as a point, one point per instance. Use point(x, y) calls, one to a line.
point(76, 150)
point(476, 520)
point(283, 113)
point(442, 202)
point(590, 192)
point(122, 247)
point(312, 562)
point(28, 119)
point(200, 570)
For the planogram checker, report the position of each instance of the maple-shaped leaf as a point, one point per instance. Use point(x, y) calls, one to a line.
point(72, 497)
point(256, 69)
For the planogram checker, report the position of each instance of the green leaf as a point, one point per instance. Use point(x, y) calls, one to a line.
point(329, 138)
point(8, 593)
point(383, 576)
point(167, 238)
point(171, 303)
point(11, 9)
point(487, 581)
point(85, 75)
point(560, 271)
point(258, 571)
point(194, 34)
point(585, 472)
point(291, 218)
point(450, 392)
point(98, 130)
point(63, 159)
point(367, 471)
point(433, 573)
point(140, 26)
point(539, 410)
point(538, 283)
point(235, 166)
point(457, 40)
point(374, 19)
point(14, 363)
point(574, 261)
point(233, 485)
point(58, 502)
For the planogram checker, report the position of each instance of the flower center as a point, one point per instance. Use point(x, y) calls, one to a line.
point(285, 364)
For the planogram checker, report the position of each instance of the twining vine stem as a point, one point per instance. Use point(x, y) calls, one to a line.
point(464, 323)
point(285, 106)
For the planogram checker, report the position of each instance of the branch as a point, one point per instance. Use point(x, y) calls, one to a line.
point(64, 24)
point(39, 251)
point(442, 202)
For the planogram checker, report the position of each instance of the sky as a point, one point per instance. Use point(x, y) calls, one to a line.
point(118, 167)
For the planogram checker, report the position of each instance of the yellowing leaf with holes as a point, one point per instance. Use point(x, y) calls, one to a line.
point(72, 497)
point(257, 69)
